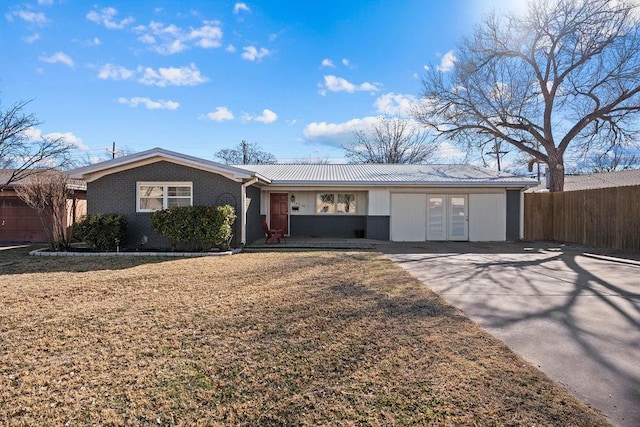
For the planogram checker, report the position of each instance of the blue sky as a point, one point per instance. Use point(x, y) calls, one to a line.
point(296, 77)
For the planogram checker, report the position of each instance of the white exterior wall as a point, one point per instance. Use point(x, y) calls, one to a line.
point(409, 218)
point(487, 217)
point(379, 201)
point(306, 200)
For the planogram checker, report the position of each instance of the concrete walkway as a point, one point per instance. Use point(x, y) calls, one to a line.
point(573, 314)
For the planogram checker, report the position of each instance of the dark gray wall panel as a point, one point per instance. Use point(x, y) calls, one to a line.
point(344, 226)
point(378, 227)
point(254, 229)
point(513, 215)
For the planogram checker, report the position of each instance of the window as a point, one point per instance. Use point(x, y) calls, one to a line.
point(336, 203)
point(153, 196)
point(325, 203)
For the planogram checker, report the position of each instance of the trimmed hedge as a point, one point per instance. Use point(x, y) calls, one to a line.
point(102, 232)
point(205, 226)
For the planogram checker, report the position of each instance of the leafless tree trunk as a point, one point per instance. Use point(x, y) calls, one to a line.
point(391, 140)
point(48, 192)
point(22, 155)
point(567, 72)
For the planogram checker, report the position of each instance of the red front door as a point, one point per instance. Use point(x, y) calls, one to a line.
point(279, 209)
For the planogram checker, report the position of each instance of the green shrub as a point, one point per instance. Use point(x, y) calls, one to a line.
point(203, 225)
point(102, 232)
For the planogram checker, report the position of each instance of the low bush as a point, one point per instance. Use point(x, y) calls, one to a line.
point(204, 226)
point(102, 232)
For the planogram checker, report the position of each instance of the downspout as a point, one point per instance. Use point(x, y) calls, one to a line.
point(243, 207)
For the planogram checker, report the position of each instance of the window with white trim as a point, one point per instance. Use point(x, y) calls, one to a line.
point(154, 196)
point(336, 203)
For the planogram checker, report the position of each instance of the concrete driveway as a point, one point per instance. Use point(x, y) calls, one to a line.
point(573, 314)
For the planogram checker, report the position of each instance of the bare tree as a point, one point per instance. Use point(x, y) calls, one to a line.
point(391, 140)
point(612, 160)
point(245, 154)
point(567, 72)
point(48, 192)
point(22, 155)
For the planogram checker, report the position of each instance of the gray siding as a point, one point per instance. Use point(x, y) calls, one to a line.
point(344, 226)
point(116, 193)
point(378, 227)
point(513, 215)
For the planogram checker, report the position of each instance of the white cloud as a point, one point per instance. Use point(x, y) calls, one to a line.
point(32, 38)
point(58, 57)
point(170, 39)
point(34, 134)
point(69, 138)
point(45, 2)
point(241, 7)
point(326, 62)
point(267, 117)
point(220, 114)
point(447, 62)
point(106, 17)
point(115, 72)
point(171, 76)
point(251, 53)
point(395, 104)
point(230, 48)
point(207, 36)
point(36, 18)
point(450, 153)
point(336, 134)
point(149, 103)
point(345, 62)
point(338, 84)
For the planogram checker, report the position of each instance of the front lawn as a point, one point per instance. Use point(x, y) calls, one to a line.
point(304, 338)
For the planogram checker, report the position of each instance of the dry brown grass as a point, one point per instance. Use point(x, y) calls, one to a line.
point(307, 338)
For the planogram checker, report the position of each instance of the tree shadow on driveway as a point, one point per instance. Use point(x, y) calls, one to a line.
point(574, 314)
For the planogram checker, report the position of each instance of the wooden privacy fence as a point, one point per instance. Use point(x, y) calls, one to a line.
point(605, 218)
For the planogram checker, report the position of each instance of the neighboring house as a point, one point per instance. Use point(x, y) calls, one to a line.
point(596, 180)
point(385, 202)
point(20, 223)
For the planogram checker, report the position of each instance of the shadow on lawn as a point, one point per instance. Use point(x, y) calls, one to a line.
point(16, 260)
point(592, 301)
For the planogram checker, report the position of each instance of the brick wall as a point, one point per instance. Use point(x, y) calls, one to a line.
point(116, 193)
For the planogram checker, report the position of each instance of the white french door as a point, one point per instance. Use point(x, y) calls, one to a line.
point(447, 217)
point(458, 218)
point(437, 217)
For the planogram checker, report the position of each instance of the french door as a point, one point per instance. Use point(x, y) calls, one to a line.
point(447, 217)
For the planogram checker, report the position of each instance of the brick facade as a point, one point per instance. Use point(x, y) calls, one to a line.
point(116, 193)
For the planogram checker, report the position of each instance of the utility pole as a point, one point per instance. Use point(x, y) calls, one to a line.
point(245, 153)
point(497, 152)
point(113, 150)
